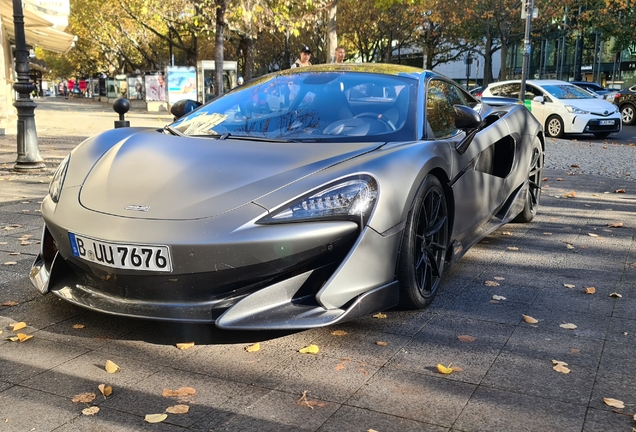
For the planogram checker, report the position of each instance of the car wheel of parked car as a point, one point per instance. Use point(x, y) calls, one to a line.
point(535, 176)
point(554, 127)
point(424, 245)
point(627, 113)
point(602, 134)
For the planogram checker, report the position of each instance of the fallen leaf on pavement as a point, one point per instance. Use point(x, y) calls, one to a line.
point(560, 366)
point(310, 349)
point(23, 337)
point(507, 233)
point(592, 235)
point(619, 191)
point(570, 194)
point(90, 411)
point(339, 366)
point(155, 418)
point(178, 409)
point(185, 345)
point(308, 403)
point(457, 369)
point(443, 369)
point(84, 398)
point(491, 283)
point(106, 390)
point(513, 248)
point(529, 319)
point(590, 290)
point(614, 402)
point(10, 263)
point(615, 294)
point(9, 303)
point(254, 347)
point(559, 179)
point(569, 285)
point(380, 315)
point(568, 326)
point(499, 278)
point(180, 392)
point(466, 338)
point(569, 246)
point(381, 343)
point(547, 233)
point(338, 333)
point(111, 367)
point(18, 326)
point(498, 297)
point(615, 224)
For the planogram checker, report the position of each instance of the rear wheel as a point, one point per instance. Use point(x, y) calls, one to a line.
point(554, 127)
point(602, 134)
point(535, 176)
point(424, 245)
point(627, 113)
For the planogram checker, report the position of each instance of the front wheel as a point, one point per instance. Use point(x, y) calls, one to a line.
point(535, 177)
point(424, 245)
point(554, 127)
point(627, 113)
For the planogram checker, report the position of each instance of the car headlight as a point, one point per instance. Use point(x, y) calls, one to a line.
point(351, 198)
point(575, 110)
point(55, 188)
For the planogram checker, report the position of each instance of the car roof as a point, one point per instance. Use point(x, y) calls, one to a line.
point(535, 82)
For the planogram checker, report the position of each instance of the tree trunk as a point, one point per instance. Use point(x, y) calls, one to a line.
point(247, 45)
point(332, 33)
point(488, 61)
point(221, 6)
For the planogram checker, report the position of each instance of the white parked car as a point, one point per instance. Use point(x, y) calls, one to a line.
point(562, 108)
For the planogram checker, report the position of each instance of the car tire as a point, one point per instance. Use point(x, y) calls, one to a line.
point(424, 245)
point(602, 134)
point(627, 114)
point(554, 127)
point(535, 177)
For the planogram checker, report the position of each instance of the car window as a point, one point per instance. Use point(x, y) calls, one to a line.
point(506, 90)
point(567, 91)
point(313, 106)
point(440, 112)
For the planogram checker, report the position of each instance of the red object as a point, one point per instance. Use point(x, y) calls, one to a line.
point(70, 84)
point(82, 85)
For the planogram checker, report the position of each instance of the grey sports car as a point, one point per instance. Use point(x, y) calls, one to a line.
point(303, 198)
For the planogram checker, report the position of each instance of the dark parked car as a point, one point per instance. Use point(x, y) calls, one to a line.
point(303, 198)
point(626, 102)
point(593, 87)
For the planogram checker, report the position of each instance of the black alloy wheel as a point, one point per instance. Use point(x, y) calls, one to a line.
point(627, 114)
point(535, 177)
point(424, 245)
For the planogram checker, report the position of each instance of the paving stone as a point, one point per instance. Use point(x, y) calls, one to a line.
point(116, 421)
point(615, 384)
point(588, 325)
point(351, 419)
point(603, 421)
point(24, 409)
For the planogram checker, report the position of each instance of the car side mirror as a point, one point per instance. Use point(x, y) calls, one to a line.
point(539, 99)
point(183, 107)
point(466, 118)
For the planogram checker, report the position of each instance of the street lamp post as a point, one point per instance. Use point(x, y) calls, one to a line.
point(529, 5)
point(29, 158)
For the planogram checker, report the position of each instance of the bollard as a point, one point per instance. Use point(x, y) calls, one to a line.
point(121, 107)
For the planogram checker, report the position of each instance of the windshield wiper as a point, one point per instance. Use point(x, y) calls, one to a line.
point(172, 130)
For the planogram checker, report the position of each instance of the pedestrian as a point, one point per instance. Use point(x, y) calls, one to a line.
point(305, 55)
point(239, 81)
point(340, 54)
point(60, 89)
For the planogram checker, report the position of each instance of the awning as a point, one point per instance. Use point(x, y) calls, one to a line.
point(38, 31)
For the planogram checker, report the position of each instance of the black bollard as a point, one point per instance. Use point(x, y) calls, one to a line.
point(121, 107)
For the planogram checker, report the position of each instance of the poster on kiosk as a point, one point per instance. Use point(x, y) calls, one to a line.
point(182, 83)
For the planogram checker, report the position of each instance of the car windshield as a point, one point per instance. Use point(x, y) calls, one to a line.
point(567, 91)
point(311, 106)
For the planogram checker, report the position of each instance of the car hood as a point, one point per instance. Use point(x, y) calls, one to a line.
point(596, 106)
point(158, 176)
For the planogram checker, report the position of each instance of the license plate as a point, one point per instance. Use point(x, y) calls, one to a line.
point(122, 256)
point(607, 122)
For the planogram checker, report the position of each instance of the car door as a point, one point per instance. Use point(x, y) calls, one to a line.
point(476, 183)
point(540, 110)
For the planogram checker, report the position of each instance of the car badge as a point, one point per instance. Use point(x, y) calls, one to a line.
point(135, 207)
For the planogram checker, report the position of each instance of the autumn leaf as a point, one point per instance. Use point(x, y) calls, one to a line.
point(90, 411)
point(180, 392)
point(23, 337)
point(339, 366)
point(560, 366)
point(178, 409)
point(513, 248)
point(570, 194)
point(9, 303)
point(614, 402)
point(619, 191)
point(547, 233)
point(529, 319)
point(590, 290)
point(338, 333)
point(443, 369)
point(111, 367)
point(569, 285)
point(498, 297)
point(457, 369)
point(10, 263)
point(380, 315)
point(615, 294)
point(84, 398)
point(310, 349)
point(568, 326)
point(106, 390)
point(574, 166)
point(309, 403)
point(185, 345)
point(466, 338)
point(569, 246)
point(78, 326)
point(254, 347)
point(380, 343)
point(500, 278)
point(506, 233)
point(17, 326)
point(592, 235)
point(491, 283)
point(559, 179)
point(615, 224)
point(155, 418)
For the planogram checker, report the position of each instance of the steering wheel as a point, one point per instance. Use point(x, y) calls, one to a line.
point(377, 116)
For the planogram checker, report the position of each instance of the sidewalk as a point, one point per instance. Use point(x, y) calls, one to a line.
point(506, 382)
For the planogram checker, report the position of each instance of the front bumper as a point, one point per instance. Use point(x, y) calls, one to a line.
point(592, 124)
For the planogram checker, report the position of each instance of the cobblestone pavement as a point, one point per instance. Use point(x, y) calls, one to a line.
point(506, 382)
